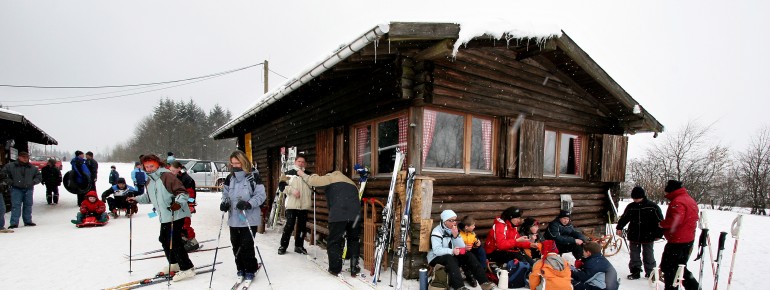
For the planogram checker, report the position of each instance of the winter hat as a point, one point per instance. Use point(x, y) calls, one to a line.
point(78, 153)
point(113, 166)
point(511, 213)
point(637, 192)
point(121, 180)
point(92, 193)
point(563, 213)
point(549, 246)
point(447, 214)
point(137, 163)
point(170, 153)
point(673, 185)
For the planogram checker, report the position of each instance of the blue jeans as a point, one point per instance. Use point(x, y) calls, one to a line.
point(2, 211)
point(481, 255)
point(19, 196)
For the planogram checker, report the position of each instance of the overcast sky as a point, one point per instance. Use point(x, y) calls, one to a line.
point(682, 60)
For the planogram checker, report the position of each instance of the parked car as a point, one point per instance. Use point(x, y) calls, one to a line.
point(207, 173)
point(41, 161)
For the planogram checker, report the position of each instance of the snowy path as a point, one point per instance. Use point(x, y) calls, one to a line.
point(57, 255)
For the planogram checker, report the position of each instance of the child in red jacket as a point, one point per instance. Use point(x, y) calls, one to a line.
point(91, 206)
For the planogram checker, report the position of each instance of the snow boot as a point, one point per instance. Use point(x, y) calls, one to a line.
point(354, 268)
point(300, 250)
point(634, 276)
point(489, 286)
point(281, 250)
point(165, 269)
point(103, 218)
point(469, 278)
point(248, 276)
point(189, 273)
point(114, 213)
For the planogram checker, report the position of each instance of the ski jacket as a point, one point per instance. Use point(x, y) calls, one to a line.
point(681, 217)
point(469, 238)
point(87, 206)
point(93, 166)
point(502, 237)
point(596, 273)
point(563, 235)
point(248, 187)
point(22, 175)
point(139, 176)
point(82, 173)
point(555, 270)
point(442, 243)
point(114, 177)
point(341, 195)
point(642, 219)
point(304, 201)
point(188, 183)
point(51, 175)
point(164, 188)
point(128, 191)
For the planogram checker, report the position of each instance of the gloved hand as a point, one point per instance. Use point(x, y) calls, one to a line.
point(175, 206)
point(243, 205)
point(281, 185)
point(224, 206)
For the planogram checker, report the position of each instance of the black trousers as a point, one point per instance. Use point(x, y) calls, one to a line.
point(243, 249)
point(173, 245)
point(575, 249)
point(673, 255)
point(300, 217)
point(338, 233)
point(52, 193)
point(453, 264)
point(118, 202)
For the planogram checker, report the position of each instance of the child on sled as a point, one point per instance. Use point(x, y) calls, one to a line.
point(91, 206)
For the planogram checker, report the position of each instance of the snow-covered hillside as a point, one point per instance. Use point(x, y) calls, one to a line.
point(57, 255)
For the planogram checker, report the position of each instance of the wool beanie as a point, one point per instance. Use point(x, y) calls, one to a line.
point(672, 185)
point(447, 214)
point(549, 246)
point(511, 213)
point(564, 213)
point(638, 192)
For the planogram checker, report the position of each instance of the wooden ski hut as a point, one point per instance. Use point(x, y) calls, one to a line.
point(512, 122)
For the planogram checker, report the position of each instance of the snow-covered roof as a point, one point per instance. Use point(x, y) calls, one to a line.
point(22, 127)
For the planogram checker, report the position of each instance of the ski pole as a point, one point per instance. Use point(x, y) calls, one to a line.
point(170, 247)
point(315, 238)
point(720, 248)
point(703, 224)
point(702, 243)
point(735, 229)
point(221, 224)
point(130, 241)
point(679, 277)
point(253, 240)
point(655, 278)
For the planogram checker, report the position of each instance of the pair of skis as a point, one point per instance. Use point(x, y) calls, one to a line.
point(385, 231)
point(139, 255)
point(159, 278)
point(406, 220)
point(287, 161)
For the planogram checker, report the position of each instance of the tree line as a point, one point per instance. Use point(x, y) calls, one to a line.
point(179, 127)
point(713, 174)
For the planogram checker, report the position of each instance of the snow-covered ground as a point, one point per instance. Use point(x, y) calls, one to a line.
point(57, 255)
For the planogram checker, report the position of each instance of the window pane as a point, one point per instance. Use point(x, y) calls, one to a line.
point(481, 144)
point(445, 136)
point(569, 153)
point(364, 146)
point(387, 142)
point(549, 153)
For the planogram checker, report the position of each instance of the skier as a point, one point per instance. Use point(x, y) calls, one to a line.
point(242, 194)
point(552, 271)
point(139, 177)
point(568, 239)
point(298, 204)
point(679, 230)
point(81, 175)
point(344, 217)
point(168, 196)
point(642, 217)
point(51, 179)
point(114, 175)
point(121, 191)
point(176, 167)
point(91, 206)
point(448, 249)
point(596, 272)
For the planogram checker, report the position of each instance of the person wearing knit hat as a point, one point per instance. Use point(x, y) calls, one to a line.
point(568, 238)
point(91, 206)
point(679, 230)
point(552, 271)
point(642, 217)
point(448, 249)
point(170, 158)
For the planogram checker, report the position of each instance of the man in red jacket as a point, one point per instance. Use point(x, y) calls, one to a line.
point(679, 229)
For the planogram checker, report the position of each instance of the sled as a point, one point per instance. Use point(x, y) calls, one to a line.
point(91, 221)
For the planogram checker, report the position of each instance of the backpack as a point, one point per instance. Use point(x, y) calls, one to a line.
point(518, 272)
point(440, 279)
point(141, 178)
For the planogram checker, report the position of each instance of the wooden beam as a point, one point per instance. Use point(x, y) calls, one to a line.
point(400, 31)
point(442, 49)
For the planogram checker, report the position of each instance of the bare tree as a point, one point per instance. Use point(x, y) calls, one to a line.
point(753, 171)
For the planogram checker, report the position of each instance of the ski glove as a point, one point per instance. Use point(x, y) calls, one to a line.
point(224, 206)
point(175, 206)
point(243, 205)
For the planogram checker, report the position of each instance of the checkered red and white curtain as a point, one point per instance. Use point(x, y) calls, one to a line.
point(403, 125)
point(428, 126)
point(486, 142)
point(576, 145)
point(362, 135)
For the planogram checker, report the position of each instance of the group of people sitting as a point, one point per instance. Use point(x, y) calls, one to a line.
point(516, 244)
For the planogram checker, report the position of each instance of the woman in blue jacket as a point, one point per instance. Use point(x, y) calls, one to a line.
point(242, 194)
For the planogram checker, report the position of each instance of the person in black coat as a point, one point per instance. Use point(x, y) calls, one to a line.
point(93, 167)
point(567, 238)
point(642, 217)
point(51, 179)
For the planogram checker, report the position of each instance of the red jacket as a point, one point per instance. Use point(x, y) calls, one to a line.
point(681, 217)
point(92, 207)
point(502, 237)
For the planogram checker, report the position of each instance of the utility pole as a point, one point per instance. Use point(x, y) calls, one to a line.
point(266, 72)
point(261, 228)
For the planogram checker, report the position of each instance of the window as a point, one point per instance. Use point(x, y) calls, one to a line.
point(381, 136)
point(456, 142)
point(201, 167)
point(562, 154)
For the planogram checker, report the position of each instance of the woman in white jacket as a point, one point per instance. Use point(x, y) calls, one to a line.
point(242, 194)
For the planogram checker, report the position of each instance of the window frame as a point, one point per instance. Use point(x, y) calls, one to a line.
point(374, 131)
point(467, 143)
point(557, 154)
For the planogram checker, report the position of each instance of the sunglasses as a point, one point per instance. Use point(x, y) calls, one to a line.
point(452, 221)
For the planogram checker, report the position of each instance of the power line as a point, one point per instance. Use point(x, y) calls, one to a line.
point(277, 73)
point(75, 97)
point(130, 85)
